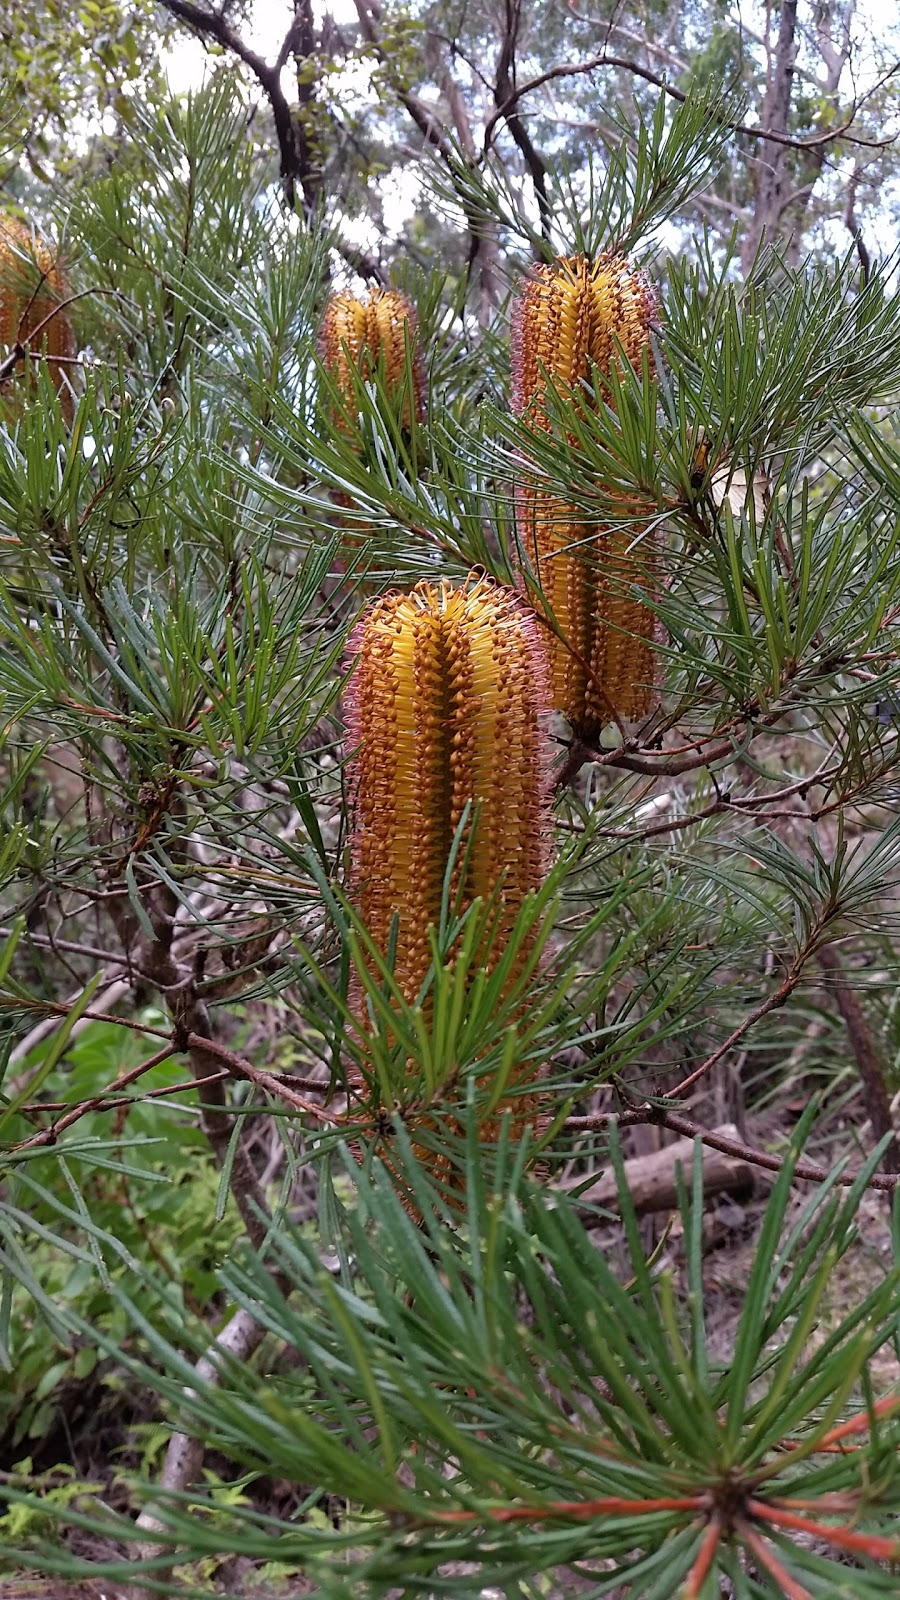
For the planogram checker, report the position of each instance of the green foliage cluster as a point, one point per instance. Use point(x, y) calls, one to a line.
point(154, 1186)
point(505, 1409)
point(64, 66)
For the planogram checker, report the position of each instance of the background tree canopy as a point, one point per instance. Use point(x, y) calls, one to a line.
point(569, 1264)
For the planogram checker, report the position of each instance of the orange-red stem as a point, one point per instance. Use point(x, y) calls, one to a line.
point(872, 1545)
point(767, 1558)
point(703, 1560)
point(583, 1510)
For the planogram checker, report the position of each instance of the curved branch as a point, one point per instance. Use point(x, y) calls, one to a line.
point(506, 99)
point(626, 64)
point(211, 24)
point(21, 347)
point(657, 1116)
point(850, 222)
point(431, 128)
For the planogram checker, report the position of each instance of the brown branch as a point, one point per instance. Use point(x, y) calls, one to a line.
point(242, 1068)
point(772, 1002)
point(652, 1179)
point(506, 99)
point(49, 1136)
point(874, 1093)
point(361, 263)
point(433, 132)
point(770, 136)
point(21, 347)
point(295, 162)
point(658, 1116)
point(60, 1008)
point(429, 125)
point(110, 1101)
point(52, 942)
point(855, 230)
point(661, 766)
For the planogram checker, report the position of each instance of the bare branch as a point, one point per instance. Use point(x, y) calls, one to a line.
point(506, 99)
point(626, 64)
point(434, 133)
point(772, 1002)
point(660, 1117)
point(295, 165)
point(22, 347)
point(851, 223)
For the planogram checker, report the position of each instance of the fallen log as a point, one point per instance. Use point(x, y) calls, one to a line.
point(651, 1178)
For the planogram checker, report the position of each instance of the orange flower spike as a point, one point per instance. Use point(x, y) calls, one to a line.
point(572, 316)
point(356, 334)
point(32, 283)
point(445, 710)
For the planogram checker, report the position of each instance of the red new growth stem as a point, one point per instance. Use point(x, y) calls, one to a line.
point(862, 1421)
point(582, 1510)
point(767, 1558)
point(703, 1560)
point(831, 1442)
point(876, 1548)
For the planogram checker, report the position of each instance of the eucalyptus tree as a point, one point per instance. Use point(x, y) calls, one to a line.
point(66, 72)
point(529, 89)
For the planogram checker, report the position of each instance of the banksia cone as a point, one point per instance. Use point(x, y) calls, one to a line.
point(357, 334)
point(32, 283)
point(445, 710)
point(572, 316)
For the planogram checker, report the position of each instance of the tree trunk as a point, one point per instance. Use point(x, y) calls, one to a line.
point(771, 161)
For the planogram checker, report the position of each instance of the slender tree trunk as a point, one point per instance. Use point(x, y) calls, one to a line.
point(771, 161)
point(774, 195)
point(835, 57)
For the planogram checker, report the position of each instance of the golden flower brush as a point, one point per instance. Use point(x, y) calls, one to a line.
point(358, 334)
point(575, 316)
point(32, 284)
point(445, 711)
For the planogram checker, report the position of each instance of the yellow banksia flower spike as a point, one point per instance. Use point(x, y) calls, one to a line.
point(575, 315)
point(32, 284)
point(356, 334)
point(446, 709)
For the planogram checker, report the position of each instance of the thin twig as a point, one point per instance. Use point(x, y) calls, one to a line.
point(49, 1136)
point(771, 1003)
point(21, 348)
